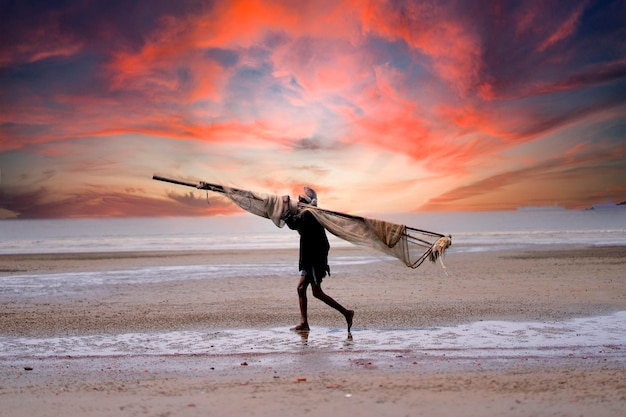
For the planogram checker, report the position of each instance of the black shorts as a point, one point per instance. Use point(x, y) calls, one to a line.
point(313, 275)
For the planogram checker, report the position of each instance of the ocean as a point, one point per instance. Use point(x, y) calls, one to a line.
point(473, 231)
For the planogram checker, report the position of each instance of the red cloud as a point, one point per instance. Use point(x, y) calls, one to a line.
point(565, 29)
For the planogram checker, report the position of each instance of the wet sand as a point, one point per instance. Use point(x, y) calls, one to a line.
point(537, 286)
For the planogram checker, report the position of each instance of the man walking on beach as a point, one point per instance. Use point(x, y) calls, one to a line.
point(313, 262)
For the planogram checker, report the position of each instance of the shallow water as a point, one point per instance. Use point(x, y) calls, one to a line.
point(471, 231)
point(593, 336)
point(27, 285)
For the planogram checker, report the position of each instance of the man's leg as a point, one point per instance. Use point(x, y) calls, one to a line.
point(321, 295)
point(302, 287)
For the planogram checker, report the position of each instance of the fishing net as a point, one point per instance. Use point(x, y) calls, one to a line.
point(409, 245)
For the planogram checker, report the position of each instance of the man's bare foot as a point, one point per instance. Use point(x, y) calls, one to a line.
point(349, 316)
point(302, 327)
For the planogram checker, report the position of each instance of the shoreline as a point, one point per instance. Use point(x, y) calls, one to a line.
point(327, 372)
point(55, 262)
point(509, 285)
point(369, 384)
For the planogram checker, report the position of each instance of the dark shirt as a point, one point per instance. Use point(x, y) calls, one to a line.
point(314, 245)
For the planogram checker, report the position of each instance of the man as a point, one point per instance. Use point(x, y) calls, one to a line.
point(313, 261)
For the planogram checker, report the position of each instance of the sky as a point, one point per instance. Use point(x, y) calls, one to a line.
point(380, 106)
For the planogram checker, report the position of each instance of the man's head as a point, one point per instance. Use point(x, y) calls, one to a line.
point(309, 197)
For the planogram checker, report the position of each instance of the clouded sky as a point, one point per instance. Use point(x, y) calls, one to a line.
point(379, 105)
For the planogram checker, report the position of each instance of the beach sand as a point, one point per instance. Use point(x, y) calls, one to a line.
point(539, 285)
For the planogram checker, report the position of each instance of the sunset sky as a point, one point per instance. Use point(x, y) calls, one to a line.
point(381, 106)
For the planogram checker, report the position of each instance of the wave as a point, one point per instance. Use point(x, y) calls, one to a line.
point(470, 231)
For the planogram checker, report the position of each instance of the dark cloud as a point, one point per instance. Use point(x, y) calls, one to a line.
point(513, 33)
point(49, 77)
point(594, 75)
point(603, 167)
point(42, 203)
point(308, 144)
point(225, 57)
point(548, 115)
point(104, 25)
